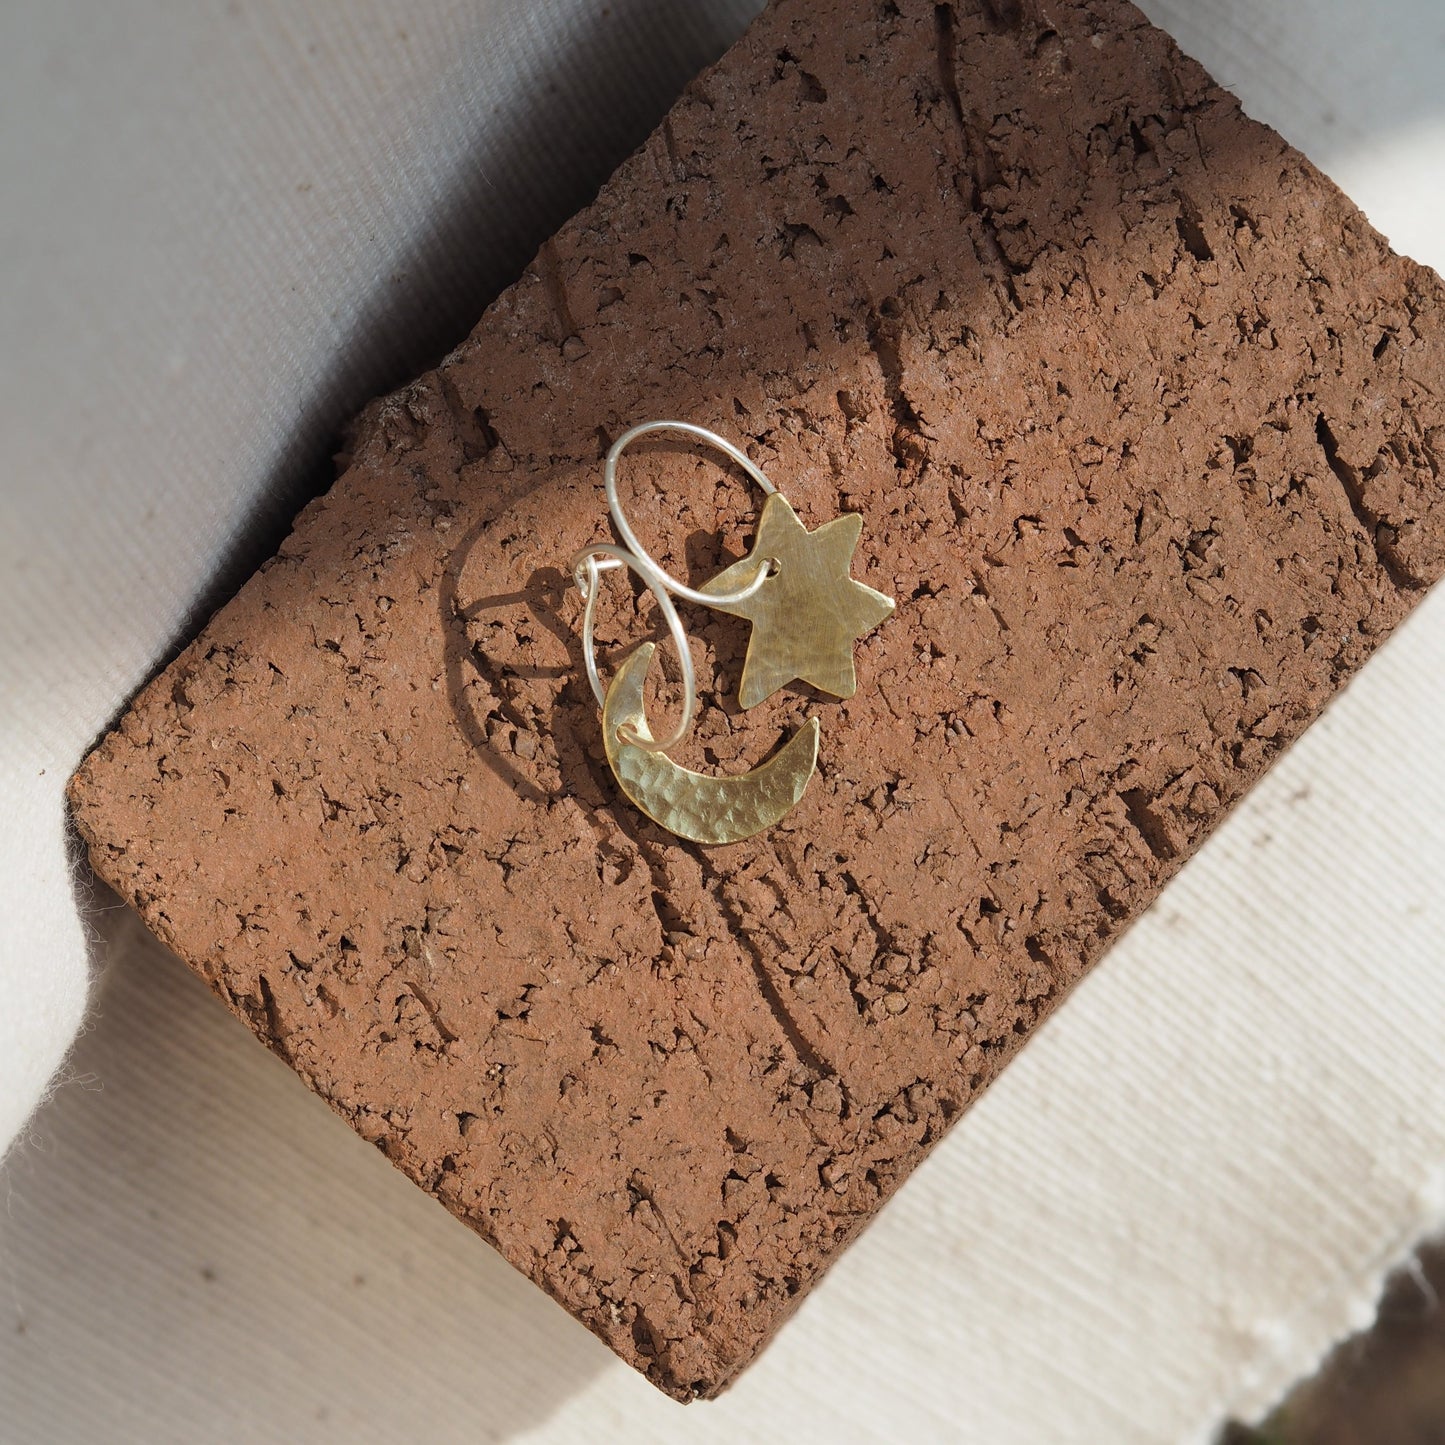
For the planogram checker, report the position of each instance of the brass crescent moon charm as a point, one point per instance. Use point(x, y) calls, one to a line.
point(694, 805)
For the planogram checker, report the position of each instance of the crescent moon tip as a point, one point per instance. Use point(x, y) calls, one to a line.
point(814, 729)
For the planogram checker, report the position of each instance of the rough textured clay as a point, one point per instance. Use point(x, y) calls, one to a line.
point(1144, 423)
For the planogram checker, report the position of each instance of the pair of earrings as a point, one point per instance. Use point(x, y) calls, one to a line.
point(806, 613)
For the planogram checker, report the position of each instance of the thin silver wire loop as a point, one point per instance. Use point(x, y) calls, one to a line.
point(629, 537)
point(586, 571)
point(589, 564)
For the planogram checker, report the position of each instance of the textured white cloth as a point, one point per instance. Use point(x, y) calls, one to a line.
point(222, 226)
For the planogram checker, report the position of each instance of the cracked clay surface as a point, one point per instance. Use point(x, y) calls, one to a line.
point(1145, 425)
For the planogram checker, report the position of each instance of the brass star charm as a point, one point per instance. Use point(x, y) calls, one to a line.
point(808, 614)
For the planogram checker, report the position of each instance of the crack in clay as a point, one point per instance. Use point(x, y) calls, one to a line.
point(1138, 805)
point(906, 440)
point(1350, 482)
point(432, 1012)
point(549, 267)
point(643, 1190)
point(984, 170)
point(807, 1053)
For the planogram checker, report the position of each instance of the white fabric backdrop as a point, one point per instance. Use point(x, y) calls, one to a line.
point(224, 225)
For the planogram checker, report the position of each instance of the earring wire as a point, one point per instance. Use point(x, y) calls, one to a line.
point(591, 562)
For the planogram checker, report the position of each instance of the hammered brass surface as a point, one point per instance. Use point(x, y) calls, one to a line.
point(807, 616)
point(693, 805)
